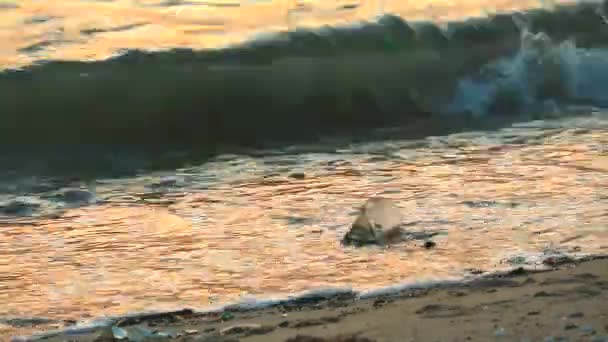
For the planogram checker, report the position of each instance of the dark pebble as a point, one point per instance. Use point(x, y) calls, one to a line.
point(570, 326)
point(165, 182)
point(19, 208)
point(297, 175)
point(518, 271)
point(70, 322)
point(77, 196)
point(284, 324)
point(379, 303)
point(429, 244)
point(576, 315)
point(557, 260)
point(474, 270)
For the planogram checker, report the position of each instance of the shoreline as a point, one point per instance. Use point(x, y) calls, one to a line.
point(562, 302)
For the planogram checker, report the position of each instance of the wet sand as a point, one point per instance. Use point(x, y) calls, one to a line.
point(565, 304)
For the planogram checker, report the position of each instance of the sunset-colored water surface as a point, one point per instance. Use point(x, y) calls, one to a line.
point(242, 225)
point(239, 226)
point(32, 30)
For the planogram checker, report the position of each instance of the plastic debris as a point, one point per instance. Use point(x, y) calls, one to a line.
point(226, 316)
point(119, 333)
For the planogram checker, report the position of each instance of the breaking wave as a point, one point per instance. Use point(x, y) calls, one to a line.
point(306, 83)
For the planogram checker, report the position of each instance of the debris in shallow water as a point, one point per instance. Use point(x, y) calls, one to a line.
point(119, 333)
point(226, 316)
point(378, 222)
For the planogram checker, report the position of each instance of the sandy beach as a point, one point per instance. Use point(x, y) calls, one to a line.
point(567, 303)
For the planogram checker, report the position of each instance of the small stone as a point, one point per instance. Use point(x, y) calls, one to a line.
point(379, 303)
point(69, 322)
point(429, 244)
point(284, 324)
point(190, 331)
point(557, 260)
point(576, 315)
point(78, 195)
point(297, 175)
point(570, 326)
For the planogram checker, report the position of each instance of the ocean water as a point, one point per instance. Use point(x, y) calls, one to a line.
point(168, 154)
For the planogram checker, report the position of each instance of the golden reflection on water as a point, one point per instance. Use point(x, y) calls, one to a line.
point(270, 235)
point(239, 238)
point(82, 30)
